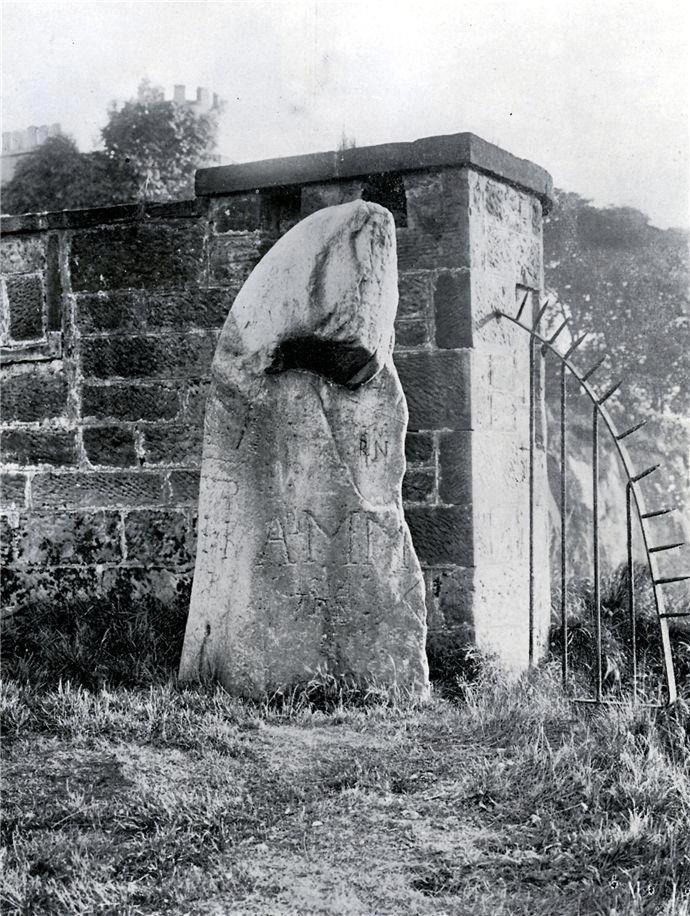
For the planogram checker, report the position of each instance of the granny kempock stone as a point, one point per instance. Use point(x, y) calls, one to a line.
point(304, 561)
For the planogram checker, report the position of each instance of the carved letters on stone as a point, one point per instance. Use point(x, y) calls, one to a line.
point(304, 559)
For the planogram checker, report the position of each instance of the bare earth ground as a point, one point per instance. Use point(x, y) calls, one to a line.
point(189, 802)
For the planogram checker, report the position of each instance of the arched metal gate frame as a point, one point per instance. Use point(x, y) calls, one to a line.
point(539, 346)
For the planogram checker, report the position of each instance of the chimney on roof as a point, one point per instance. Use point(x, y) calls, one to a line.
point(202, 97)
point(179, 93)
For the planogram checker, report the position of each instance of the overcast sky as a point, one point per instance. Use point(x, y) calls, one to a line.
point(596, 92)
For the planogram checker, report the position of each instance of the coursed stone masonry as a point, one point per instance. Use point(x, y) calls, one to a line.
point(102, 409)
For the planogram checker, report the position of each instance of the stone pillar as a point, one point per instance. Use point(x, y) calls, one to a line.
point(469, 237)
point(484, 462)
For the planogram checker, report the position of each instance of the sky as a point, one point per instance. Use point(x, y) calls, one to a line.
point(595, 92)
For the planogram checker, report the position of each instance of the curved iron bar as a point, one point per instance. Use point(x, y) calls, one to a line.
point(631, 488)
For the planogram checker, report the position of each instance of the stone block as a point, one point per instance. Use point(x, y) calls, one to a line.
point(419, 448)
point(236, 213)
point(28, 587)
point(21, 254)
point(12, 490)
point(437, 388)
point(159, 538)
point(53, 539)
point(139, 256)
point(198, 308)
point(110, 311)
point(25, 297)
point(97, 489)
point(414, 293)
point(418, 250)
point(501, 613)
point(450, 596)
point(150, 587)
point(130, 402)
point(184, 488)
point(438, 201)
point(36, 395)
point(329, 194)
point(53, 285)
point(177, 444)
point(304, 560)
point(501, 531)
point(500, 468)
point(418, 486)
point(134, 310)
point(195, 407)
point(110, 445)
point(147, 357)
point(411, 333)
point(453, 309)
point(441, 534)
point(233, 257)
point(38, 446)
point(455, 467)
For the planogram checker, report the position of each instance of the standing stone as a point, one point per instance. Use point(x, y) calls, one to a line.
point(304, 559)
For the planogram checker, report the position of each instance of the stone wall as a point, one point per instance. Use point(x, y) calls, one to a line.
point(110, 320)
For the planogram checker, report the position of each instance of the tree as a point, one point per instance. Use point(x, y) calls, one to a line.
point(56, 176)
point(164, 142)
point(152, 149)
point(625, 282)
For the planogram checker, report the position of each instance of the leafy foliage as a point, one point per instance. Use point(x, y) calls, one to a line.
point(627, 282)
point(152, 149)
point(164, 142)
point(56, 176)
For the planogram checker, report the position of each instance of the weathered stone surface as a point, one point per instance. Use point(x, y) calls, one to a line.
point(452, 309)
point(437, 387)
point(411, 333)
point(418, 486)
point(12, 490)
point(110, 445)
point(33, 396)
point(38, 446)
point(419, 448)
point(53, 539)
point(170, 356)
point(147, 256)
point(137, 310)
point(177, 444)
point(22, 253)
point(130, 402)
point(304, 559)
point(414, 288)
point(25, 298)
point(120, 488)
point(160, 538)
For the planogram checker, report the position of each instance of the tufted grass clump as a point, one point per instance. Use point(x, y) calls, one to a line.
point(616, 638)
point(511, 801)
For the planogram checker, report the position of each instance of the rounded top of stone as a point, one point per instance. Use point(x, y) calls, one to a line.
point(464, 149)
point(323, 298)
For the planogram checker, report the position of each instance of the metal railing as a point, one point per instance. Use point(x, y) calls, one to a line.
point(540, 345)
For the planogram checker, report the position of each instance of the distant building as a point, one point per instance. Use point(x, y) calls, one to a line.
point(204, 101)
point(17, 143)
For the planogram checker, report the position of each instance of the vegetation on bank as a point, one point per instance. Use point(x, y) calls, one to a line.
point(509, 800)
point(125, 794)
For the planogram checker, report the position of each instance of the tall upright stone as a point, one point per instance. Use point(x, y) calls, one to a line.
point(304, 560)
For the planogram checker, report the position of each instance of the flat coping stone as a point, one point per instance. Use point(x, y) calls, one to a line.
point(457, 150)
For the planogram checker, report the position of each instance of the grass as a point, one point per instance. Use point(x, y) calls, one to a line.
point(125, 794)
point(163, 800)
